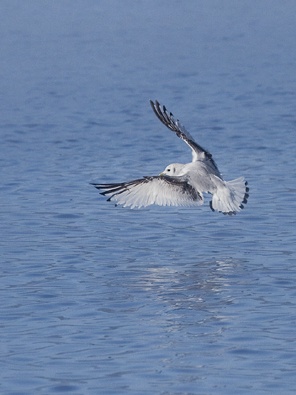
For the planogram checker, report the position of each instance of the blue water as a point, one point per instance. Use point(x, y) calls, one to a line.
point(97, 299)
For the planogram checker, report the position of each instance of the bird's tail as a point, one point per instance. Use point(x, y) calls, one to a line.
point(230, 196)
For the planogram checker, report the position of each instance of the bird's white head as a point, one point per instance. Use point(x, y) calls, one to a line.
point(175, 169)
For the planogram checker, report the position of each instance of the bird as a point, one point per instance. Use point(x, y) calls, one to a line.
point(181, 184)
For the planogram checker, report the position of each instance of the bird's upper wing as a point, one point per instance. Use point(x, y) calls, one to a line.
point(167, 118)
point(160, 190)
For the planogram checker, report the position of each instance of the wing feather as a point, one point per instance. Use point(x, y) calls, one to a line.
point(159, 190)
point(167, 118)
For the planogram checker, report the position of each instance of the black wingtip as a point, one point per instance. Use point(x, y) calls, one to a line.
point(154, 103)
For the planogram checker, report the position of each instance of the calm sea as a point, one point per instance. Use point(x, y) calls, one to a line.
point(97, 299)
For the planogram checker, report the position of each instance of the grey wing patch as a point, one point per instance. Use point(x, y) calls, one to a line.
point(167, 118)
point(159, 190)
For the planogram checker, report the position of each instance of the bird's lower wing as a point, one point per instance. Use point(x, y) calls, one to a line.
point(159, 190)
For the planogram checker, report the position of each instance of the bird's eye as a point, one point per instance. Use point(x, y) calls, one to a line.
point(169, 169)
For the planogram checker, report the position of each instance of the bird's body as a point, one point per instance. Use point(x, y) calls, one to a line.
point(181, 184)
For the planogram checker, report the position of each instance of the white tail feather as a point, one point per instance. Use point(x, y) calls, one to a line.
point(230, 196)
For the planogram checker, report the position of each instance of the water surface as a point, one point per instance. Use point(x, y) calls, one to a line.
point(101, 299)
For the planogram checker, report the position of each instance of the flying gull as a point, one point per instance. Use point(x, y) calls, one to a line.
point(181, 184)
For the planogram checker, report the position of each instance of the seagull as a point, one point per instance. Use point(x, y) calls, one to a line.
point(181, 184)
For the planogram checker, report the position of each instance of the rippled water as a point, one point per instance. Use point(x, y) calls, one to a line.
point(101, 299)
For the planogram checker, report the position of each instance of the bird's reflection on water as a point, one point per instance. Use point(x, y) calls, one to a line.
point(206, 286)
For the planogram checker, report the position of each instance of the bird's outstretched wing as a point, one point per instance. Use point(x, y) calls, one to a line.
point(167, 118)
point(159, 190)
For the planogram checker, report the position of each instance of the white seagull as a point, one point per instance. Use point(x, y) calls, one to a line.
point(181, 184)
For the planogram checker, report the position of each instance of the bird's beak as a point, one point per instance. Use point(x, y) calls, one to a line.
point(161, 174)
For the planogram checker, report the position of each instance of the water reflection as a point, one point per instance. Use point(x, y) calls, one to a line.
point(206, 287)
point(206, 276)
